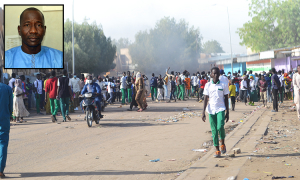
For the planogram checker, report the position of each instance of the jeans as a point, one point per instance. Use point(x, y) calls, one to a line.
point(244, 95)
point(64, 107)
point(275, 99)
point(281, 94)
point(172, 94)
point(37, 102)
point(166, 91)
point(269, 95)
point(29, 101)
point(201, 93)
point(111, 95)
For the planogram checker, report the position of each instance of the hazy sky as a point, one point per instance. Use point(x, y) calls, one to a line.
point(125, 18)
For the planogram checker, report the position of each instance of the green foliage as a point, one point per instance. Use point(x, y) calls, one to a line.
point(275, 24)
point(169, 44)
point(212, 46)
point(121, 43)
point(94, 53)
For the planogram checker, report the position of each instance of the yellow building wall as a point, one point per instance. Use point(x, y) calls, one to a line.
point(53, 21)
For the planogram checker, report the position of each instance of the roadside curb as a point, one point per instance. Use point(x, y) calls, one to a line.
point(201, 168)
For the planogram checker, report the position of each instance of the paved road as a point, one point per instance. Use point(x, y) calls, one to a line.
point(119, 148)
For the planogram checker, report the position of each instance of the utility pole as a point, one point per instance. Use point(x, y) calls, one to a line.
point(73, 56)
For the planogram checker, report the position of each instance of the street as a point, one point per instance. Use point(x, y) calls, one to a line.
point(119, 148)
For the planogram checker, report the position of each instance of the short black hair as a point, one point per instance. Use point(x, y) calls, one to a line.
point(215, 68)
point(31, 9)
point(53, 73)
point(273, 70)
point(153, 74)
point(13, 75)
point(65, 72)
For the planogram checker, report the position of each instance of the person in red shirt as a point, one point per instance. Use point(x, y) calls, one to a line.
point(203, 81)
point(51, 88)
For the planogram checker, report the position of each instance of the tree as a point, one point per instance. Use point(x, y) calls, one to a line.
point(94, 53)
point(212, 46)
point(121, 43)
point(169, 43)
point(275, 24)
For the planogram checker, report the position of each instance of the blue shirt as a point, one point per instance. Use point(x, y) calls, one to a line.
point(29, 88)
point(93, 88)
point(6, 105)
point(275, 78)
point(268, 79)
point(46, 58)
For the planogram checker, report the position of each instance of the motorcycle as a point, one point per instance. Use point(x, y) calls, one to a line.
point(90, 110)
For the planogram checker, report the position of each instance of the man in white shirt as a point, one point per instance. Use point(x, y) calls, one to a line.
point(123, 87)
point(38, 90)
point(217, 92)
point(223, 78)
point(101, 83)
point(75, 82)
point(244, 89)
point(110, 91)
point(11, 82)
point(194, 84)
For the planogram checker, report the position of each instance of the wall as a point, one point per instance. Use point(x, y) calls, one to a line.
point(259, 66)
point(236, 67)
point(53, 21)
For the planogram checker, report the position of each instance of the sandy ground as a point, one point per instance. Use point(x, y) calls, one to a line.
point(119, 148)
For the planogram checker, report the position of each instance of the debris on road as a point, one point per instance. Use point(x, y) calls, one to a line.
point(200, 150)
point(154, 160)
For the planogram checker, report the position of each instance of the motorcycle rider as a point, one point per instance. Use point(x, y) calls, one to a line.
point(95, 89)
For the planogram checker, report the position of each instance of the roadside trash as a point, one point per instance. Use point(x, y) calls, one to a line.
point(278, 177)
point(246, 179)
point(154, 160)
point(241, 120)
point(231, 121)
point(231, 178)
point(58, 123)
point(237, 150)
point(46, 133)
point(186, 109)
point(249, 158)
point(291, 177)
point(288, 164)
point(200, 150)
point(231, 155)
point(86, 153)
point(175, 120)
point(270, 142)
point(268, 158)
point(97, 157)
point(216, 165)
point(172, 160)
point(146, 155)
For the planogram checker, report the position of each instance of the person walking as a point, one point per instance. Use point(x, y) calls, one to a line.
point(110, 91)
point(139, 87)
point(263, 85)
point(187, 81)
point(296, 84)
point(153, 87)
point(217, 93)
point(269, 89)
point(6, 106)
point(29, 92)
point(203, 81)
point(133, 102)
point(128, 82)
point(253, 92)
point(275, 89)
point(160, 89)
point(20, 110)
point(123, 87)
point(244, 89)
point(38, 90)
point(166, 81)
point(51, 91)
point(75, 82)
point(47, 102)
point(173, 88)
point(232, 93)
point(64, 94)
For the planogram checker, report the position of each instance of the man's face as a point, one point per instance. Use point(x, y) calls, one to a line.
point(215, 74)
point(90, 78)
point(38, 77)
point(32, 29)
point(298, 69)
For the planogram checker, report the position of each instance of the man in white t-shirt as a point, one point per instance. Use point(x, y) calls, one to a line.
point(110, 91)
point(217, 93)
point(38, 90)
point(75, 82)
point(11, 82)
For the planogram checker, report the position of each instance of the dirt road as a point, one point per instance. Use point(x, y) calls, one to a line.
point(119, 148)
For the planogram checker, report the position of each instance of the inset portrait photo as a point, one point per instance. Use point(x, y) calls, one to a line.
point(33, 36)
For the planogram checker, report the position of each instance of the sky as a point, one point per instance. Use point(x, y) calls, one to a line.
point(123, 19)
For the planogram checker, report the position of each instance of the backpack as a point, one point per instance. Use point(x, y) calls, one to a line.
point(153, 82)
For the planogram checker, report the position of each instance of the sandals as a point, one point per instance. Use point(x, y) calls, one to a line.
point(140, 110)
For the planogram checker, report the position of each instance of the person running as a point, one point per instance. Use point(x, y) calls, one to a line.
point(232, 94)
point(20, 110)
point(64, 94)
point(263, 85)
point(275, 89)
point(217, 92)
point(153, 87)
point(160, 89)
point(51, 91)
point(6, 106)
